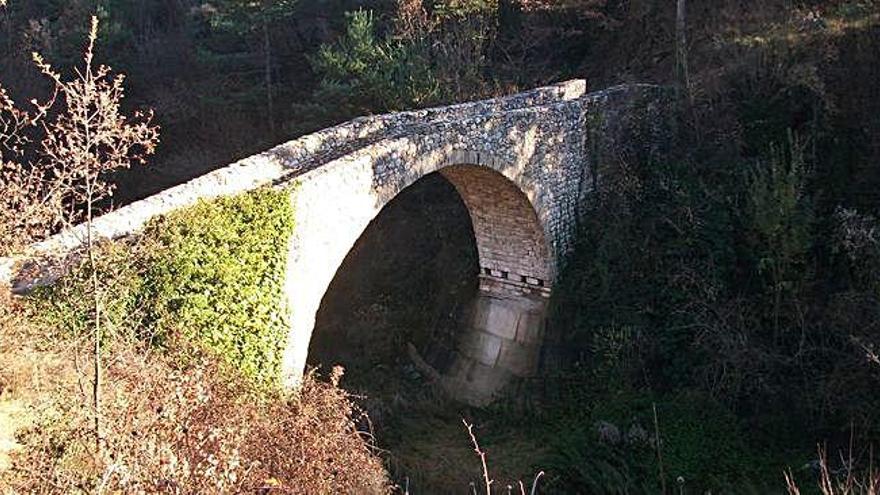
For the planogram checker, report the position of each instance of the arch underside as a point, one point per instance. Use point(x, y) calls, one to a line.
point(508, 235)
point(505, 320)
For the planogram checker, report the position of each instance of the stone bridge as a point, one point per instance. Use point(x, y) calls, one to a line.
point(522, 165)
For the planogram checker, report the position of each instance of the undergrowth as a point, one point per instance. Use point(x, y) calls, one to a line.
point(175, 422)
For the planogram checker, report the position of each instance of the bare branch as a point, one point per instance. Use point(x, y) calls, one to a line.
point(51, 167)
point(488, 482)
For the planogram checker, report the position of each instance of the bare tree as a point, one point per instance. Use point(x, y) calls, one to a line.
point(90, 138)
point(63, 152)
point(30, 207)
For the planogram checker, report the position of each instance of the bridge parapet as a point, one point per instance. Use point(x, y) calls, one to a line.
point(280, 164)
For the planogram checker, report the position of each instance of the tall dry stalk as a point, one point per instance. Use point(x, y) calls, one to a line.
point(487, 480)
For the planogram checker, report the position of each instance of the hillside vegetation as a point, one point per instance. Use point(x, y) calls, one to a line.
point(719, 319)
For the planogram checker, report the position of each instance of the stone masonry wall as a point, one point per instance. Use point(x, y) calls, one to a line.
point(527, 159)
point(510, 240)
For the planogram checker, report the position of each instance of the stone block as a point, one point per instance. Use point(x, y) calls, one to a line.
point(481, 347)
point(476, 383)
point(519, 359)
point(530, 328)
point(501, 318)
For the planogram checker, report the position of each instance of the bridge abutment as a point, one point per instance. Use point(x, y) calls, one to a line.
point(501, 341)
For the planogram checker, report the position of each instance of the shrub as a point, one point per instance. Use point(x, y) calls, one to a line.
point(613, 449)
point(214, 272)
point(219, 277)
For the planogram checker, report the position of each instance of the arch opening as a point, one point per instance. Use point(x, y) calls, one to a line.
point(439, 301)
point(405, 282)
point(454, 275)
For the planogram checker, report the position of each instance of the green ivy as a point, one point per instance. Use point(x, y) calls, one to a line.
point(219, 279)
point(212, 273)
point(67, 306)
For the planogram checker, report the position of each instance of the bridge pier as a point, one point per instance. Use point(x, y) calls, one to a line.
point(501, 340)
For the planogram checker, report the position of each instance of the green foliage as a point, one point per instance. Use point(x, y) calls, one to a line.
point(856, 245)
point(593, 467)
point(615, 353)
point(779, 207)
point(363, 73)
point(650, 226)
point(464, 8)
point(780, 220)
point(212, 273)
point(66, 305)
point(703, 443)
point(219, 280)
point(854, 9)
point(702, 446)
point(429, 58)
point(246, 16)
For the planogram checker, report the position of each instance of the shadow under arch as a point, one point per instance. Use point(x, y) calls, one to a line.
point(404, 284)
point(502, 322)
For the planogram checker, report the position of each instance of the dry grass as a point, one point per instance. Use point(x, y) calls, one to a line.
point(432, 452)
point(28, 371)
point(173, 425)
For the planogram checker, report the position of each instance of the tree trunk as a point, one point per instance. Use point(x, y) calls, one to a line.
point(96, 300)
point(267, 51)
point(681, 66)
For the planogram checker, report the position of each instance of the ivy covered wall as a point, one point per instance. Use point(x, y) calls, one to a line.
point(212, 273)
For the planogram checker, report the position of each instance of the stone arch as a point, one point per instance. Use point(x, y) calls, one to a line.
point(335, 204)
point(547, 142)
